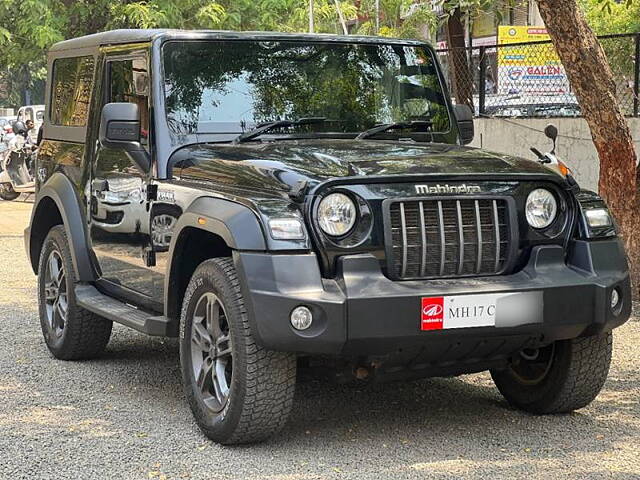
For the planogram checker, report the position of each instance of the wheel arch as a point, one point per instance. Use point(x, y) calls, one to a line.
point(209, 228)
point(57, 203)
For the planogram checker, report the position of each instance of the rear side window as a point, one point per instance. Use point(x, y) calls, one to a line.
point(71, 91)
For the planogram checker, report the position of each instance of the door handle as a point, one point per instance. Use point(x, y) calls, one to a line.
point(100, 185)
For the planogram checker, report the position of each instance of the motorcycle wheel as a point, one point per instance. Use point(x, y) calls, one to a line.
point(7, 192)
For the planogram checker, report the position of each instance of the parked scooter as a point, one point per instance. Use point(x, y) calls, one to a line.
point(18, 165)
point(549, 158)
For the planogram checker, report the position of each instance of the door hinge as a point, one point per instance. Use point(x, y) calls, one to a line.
point(152, 192)
point(149, 257)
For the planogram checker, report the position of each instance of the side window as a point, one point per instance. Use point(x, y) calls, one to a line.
point(71, 91)
point(126, 81)
point(129, 82)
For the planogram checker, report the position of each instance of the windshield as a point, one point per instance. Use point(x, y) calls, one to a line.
point(232, 86)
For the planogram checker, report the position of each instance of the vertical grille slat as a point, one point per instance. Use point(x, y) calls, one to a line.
point(442, 240)
point(448, 237)
point(496, 223)
point(423, 231)
point(460, 237)
point(479, 235)
point(403, 222)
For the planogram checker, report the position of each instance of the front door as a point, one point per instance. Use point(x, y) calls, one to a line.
point(119, 209)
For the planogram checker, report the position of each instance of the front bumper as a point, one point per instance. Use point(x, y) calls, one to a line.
point(363, 313)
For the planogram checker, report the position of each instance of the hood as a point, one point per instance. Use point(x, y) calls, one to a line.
point(280, 165)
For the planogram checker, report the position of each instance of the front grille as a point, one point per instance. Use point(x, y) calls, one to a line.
point(448, 238)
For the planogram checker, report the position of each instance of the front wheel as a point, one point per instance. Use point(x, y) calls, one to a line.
point(7, 192)
point(238, 392)
point(559, 378)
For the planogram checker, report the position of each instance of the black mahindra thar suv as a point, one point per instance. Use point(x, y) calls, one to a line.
point(278, 200)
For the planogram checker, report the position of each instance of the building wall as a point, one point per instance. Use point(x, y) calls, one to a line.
point(574, 146)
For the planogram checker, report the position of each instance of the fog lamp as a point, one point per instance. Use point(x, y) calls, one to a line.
point(301, 318)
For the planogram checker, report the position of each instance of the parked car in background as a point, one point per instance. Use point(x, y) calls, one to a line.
point(539, 106)
point(6, 121)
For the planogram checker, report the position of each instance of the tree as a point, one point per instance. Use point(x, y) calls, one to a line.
point(592, 80)
point(461, 78)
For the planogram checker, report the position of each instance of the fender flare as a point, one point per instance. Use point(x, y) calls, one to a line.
point(236, 224)
point(63, 193)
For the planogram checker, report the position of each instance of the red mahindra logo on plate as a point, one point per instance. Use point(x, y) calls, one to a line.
point(432, 313)
point(432, 310)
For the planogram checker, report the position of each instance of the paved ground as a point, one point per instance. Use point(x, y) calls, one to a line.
point(123, 416)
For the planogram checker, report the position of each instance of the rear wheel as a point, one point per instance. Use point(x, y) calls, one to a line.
point(70, 332)
point(559, 378)
point(7, 192)
point(238, 391)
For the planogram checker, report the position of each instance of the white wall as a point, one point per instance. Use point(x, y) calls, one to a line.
point(575, 148)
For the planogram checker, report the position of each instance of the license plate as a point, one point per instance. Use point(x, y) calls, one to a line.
point(458, 311)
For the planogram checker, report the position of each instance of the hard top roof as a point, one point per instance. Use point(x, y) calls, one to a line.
point(115, 37)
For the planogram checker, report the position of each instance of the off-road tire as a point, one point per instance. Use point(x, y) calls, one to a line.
point(262, 383)
point(85, 334)
point(576, 375)
point(7, 192)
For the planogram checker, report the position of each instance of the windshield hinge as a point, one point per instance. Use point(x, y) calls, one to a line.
point(299, 190)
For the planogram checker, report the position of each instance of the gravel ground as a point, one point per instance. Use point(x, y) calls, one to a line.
point(123, 416)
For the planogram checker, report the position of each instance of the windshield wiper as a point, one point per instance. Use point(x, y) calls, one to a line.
point(393, 126)
point(265, 127)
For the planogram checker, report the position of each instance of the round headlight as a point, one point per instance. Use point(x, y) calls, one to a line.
point(336, 214)
point(541, 208)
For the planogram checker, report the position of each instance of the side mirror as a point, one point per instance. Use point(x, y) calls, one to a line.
point(120, 130)
point(552, 133)
point(464, 116)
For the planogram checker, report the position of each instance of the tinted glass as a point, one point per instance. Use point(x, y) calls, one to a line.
point(71, 91)
point(230, 86)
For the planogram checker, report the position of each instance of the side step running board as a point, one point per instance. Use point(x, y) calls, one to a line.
point(89, 298)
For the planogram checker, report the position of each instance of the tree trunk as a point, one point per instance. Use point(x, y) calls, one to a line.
point(461, 79)
point(592, 80)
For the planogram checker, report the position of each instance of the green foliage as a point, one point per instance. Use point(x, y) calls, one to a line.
point(29, 27)
point(398, 18)
point(609, 6)
point(605, 16)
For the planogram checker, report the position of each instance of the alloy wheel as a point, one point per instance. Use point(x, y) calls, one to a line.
point(211, 351)
point(55, 293)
